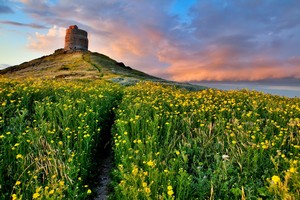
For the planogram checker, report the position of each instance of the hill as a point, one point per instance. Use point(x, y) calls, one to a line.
point(83, 65)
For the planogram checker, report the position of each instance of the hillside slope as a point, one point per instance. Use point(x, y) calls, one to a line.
point(83, 65)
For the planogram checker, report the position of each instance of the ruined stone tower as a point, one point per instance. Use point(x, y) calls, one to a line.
point(76, 39)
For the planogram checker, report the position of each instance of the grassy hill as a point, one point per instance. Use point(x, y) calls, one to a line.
point(83, 65)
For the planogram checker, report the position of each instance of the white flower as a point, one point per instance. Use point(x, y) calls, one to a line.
point(225, 157)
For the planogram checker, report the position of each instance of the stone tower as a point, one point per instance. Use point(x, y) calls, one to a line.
point(76, 39)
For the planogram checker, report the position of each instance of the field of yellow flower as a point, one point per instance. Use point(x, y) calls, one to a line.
point(176, 144)
point(168, 143)
point(49, 135)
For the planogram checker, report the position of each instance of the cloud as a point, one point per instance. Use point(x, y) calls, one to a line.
point(222, 40)
point(31, 25)
point(4, 9)
point(48, 42)
point(3, 66)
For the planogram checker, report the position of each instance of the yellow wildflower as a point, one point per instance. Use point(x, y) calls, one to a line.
point(275, 179)
point(61, 183)
point(18, 183)
point(170, 192)
point(147, 190)
point(14, 197)
point(135, 171)
point(150, 163)
point(292, 169)
point(35, 195)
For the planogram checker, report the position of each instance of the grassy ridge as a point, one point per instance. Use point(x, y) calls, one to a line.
point(48, 135)
point(174, 144)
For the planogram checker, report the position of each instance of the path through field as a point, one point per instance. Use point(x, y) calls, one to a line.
point(104, 177)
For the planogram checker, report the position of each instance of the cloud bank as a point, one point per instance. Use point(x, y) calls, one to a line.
point(221, 40)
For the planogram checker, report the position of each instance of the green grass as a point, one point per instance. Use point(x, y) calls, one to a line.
point(168, 143)
point(171, 143)
point(50, 133)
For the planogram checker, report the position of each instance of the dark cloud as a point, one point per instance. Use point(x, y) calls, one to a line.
point(31, 25)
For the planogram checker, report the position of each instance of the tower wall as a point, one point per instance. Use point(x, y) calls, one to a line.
point(76, 39)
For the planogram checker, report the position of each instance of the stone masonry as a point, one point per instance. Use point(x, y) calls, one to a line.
point(76, 39)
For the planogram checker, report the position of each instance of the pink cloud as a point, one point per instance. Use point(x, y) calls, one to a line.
point(219, 44)
point(47, 43)
point(223, 64)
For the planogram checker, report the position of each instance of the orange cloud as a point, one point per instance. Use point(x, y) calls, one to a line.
point(223, 64)
point(47, 43)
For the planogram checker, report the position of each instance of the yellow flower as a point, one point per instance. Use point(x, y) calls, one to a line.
point(147, 190)
point(19, 156)
point(170, 187)
point(89, 191)
point(51, 192)
point(35, 195)
point(233, 142)
point(144, 184)
point(14, 197)
point(292, 169)
point(18, 183)
point(135, 171)
point(177, 152)
point(170, 192)
point(275, 179)
point(61, 183)
point(150, 163)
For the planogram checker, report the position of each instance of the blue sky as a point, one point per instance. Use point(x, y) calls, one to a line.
point(183, 40)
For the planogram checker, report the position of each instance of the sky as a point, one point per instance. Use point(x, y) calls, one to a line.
point(181, 40)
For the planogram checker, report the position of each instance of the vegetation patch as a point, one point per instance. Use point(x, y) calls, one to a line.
point(50, 135)
point(175, 144)
point(168, 143)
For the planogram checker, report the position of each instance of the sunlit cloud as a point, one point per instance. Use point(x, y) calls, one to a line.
point(233, 40)
point(47, 42)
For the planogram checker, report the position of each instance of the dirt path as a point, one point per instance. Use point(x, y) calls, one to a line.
point(104, 177)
